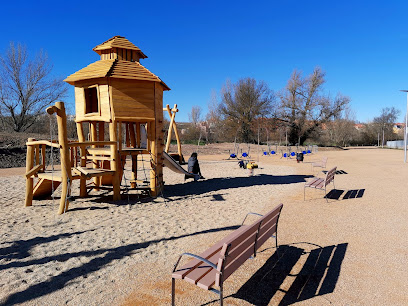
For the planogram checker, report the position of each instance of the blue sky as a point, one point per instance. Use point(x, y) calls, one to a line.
point(195, 46)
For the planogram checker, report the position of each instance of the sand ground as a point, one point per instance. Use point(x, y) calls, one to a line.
point(350, 250)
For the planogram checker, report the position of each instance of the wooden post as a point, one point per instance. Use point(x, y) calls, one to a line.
point(82, 181)
point(30, 180)
point(138, 134)
point(172, 115)
point(115, 163)
point(134, 157)
point(157, 128)
point(153, 159)
point(66, 175)
point(101, 131)
point(101, 137)
point(43, 157)
point(95, 163)
point(120, 135)
point(127, 134)
point(37, 154)
point(72, 156)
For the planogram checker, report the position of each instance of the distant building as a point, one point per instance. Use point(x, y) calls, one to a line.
point(359, 126)
point(398, 127)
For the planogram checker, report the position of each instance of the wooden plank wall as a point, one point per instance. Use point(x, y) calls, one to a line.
point(131, 98)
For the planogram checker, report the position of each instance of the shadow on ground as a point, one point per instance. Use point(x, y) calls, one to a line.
point(317, 277)
point(218, 184)
point(100, 258)
point(337, 172)
point(336, 194)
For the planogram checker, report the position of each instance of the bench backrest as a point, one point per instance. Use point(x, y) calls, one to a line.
point(330, 176)
point(236, 251)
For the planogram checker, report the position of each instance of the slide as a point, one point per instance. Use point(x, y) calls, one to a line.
point(170, 163)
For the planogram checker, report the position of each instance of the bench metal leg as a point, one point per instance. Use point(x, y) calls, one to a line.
point(173, 291)
point(221, 295)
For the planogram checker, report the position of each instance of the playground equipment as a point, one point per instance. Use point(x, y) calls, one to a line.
point(115, 92)
point(270, 151)
point(234, 154)
point(287, 152)
point(246, 154)
point(74, 157)
point(173, 126)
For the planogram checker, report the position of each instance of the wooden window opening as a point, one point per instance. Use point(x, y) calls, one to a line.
point(91, 100)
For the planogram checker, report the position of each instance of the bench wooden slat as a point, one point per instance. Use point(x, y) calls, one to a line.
point(244, 240)
point(262, 239)
point(208, 281)
point(312, 181)
point(320, 185)
point(183, 270)
point(201, 270)
point(250, 242)
point(265, 226)
point(316, 183)
point(248, 232)
point(269, 216)
point(238, 261)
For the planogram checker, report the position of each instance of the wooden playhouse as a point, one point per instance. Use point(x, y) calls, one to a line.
point(122, 104)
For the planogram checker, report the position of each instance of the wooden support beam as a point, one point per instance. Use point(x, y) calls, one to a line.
point(29, 180)
point(43, 153)
point(172, 112)
point(41, 142)
point(127, 139)
point(138, 135)
point(34, 170)
point(64, 152)
point(37, 154)
point(81, 137)
point(116, 164)
point(134, 157)
point(95, 164)
point(120, 135)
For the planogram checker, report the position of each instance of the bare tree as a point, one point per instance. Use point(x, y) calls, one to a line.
point(304, 107)
point(26, 87)
point(195, 115)
point(194, 127)
point(341, 131)
point(242, 103)
point(384, 123)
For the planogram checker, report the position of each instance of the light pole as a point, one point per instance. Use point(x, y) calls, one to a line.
point(405, 129)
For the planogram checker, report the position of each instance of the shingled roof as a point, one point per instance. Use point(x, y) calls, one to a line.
point(114, 69)
point(118, 42)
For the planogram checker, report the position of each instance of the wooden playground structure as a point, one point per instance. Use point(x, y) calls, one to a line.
point(119, 100)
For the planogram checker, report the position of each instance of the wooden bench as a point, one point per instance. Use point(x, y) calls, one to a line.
point(211, 268)
point(320, 183)
point(321, 164)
